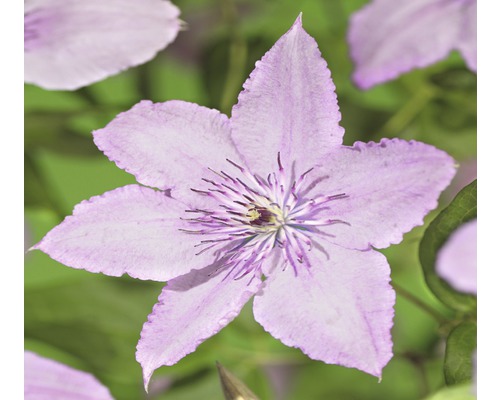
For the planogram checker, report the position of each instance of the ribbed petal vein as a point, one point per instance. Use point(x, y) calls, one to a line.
point(338, 311)
point(190, 309)
point(130, 230)
point(288, 105)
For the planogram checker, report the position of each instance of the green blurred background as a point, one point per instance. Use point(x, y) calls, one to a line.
point(92, 322)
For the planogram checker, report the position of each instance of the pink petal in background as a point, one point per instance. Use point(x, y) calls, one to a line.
point(467, 44)
point(71, 43)
point(46, 379)
point(456, 261)
point(390, 37)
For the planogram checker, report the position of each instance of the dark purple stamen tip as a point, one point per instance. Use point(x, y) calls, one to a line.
point(235, 165)
point(200, 191)
point(279, 162)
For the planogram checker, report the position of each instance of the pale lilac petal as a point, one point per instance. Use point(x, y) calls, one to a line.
point(467, 44)
point(191, 309)
point(339, 311)
point(456, 261)
point(289, 105)
point(168, 145)
point(46, 379)
point(391, 37)
point(390, 187)
point(130, 230)
point(71, 43)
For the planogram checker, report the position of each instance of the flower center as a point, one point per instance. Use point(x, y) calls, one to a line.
point(260, 216)
point(256, 215)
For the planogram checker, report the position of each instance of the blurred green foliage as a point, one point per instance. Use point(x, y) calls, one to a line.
point(460, 346)
point(92, 322)
point(459, 392)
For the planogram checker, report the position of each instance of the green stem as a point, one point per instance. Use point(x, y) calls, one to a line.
point(401, 119)
point(45, 185)
point(418, 362)
point(419, 303)
point(144, 81)
point(89, 96)
point(424, 382)
point(237, 57)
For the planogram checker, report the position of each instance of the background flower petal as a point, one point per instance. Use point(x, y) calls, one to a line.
point(288, 105)
point(467, 44)
point(190, 309)
point(130, 230)
point(49, 379)
point(71, 43)
point(168, 145)
point(390, 37)
point(390, 187)
point(456, 261)
point(339, 311)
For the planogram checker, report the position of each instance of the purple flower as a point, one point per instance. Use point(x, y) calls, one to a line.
point(269, 192)
point(72, 43)
point(456, 261)
point(46, 379)
point(390, 37)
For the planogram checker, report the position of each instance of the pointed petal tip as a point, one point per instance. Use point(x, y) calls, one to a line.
point(298, 21)
point(297, 24)
point(375, 370)
point(34, 247)
point(40, 246)
point(146, 376)
point(379, 374)
point(378, 370)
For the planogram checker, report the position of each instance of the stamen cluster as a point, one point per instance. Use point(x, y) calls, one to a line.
point(256, 215)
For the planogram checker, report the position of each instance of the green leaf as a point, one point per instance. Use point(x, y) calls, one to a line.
point(215, 58)
point(97, 321)
point(463, 208)
point(460, 345)
point(460, 392)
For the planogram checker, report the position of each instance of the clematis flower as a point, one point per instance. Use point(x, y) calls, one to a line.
point(390, 37)
point(48, 379)
point(267, 203)
point(70, 43)
point(456, 261)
